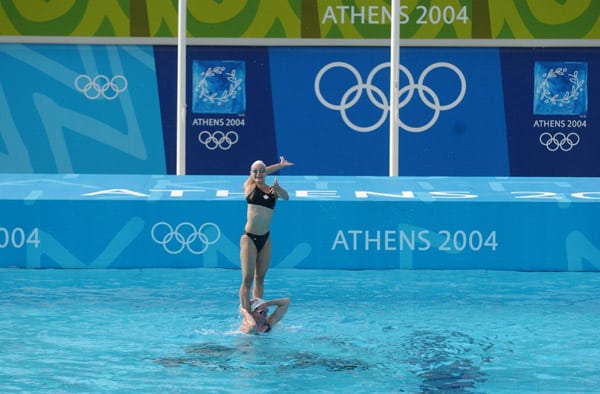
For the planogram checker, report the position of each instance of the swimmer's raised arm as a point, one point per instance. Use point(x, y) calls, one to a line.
point(276, 167)
point(282, 308)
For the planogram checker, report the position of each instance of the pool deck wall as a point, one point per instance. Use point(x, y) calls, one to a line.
point(330, 222)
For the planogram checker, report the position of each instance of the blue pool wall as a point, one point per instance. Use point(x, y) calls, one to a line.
point(330, 222)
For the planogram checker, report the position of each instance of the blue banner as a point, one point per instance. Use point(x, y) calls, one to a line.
point(331, 105)
point(79, 108)
point(463, 111)
point(537, 224)
point(229, 117)
point(551, 111)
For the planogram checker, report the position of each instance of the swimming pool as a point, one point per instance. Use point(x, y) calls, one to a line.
point(175, 330)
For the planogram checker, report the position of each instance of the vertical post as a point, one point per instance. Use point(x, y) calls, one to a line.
point(394, 86)
point(181, 91)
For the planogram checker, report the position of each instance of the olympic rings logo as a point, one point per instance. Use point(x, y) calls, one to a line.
point(218, 139)
point(101, 86)
point(185, 235)
point(562, 141)
point(380, 100)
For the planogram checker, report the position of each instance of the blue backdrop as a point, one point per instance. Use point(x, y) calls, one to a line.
point(463, 111)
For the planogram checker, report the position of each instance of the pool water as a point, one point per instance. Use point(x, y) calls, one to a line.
point(176, 331)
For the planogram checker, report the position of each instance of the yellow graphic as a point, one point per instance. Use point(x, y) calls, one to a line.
point(350, 19)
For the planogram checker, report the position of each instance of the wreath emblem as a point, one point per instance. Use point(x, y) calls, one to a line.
point(203, 88)
point(560, 98)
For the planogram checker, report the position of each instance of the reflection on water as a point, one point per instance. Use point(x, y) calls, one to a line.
point(443, 361)
point(447, 361)
point(217, 357)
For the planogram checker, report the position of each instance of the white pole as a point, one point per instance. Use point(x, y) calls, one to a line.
point(181, 80)
point(394, 86)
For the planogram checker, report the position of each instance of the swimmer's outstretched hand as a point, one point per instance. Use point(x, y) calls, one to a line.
point(276, 167)
point(284, 163)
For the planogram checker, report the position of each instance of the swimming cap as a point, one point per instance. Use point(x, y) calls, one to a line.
point(255, 303)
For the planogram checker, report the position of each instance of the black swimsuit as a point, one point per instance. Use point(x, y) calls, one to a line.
point(258, 197)
point(259, 240)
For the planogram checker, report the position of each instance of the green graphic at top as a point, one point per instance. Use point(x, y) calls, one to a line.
point(350, 19)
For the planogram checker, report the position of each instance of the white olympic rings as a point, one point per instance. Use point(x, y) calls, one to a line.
point(218, 139)
point(101, 86)
point(185, 235)
point(426, 94)
point(562, 141)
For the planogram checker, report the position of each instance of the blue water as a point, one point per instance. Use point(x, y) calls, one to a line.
point(175, 331)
